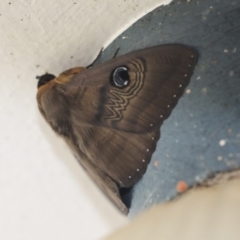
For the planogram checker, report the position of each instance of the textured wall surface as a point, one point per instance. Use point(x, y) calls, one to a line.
point(44, 192)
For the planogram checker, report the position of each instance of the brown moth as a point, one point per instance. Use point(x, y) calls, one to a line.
point(110, 115)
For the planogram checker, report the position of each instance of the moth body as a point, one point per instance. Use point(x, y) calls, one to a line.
point(110, 115)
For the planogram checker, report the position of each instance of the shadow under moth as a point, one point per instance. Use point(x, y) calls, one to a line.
point(110, 114)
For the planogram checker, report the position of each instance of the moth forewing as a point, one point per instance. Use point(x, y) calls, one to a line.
point(110, 115)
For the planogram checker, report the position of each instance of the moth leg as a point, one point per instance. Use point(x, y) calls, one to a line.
point(97, 58)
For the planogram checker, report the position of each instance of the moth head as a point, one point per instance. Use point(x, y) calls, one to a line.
point(120, 77)
point(44, 79)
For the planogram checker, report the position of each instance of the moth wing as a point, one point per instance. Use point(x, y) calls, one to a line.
point(102, 180)
point(123, 156)
point(157, 76)
point(55, 109)
point(118, 128)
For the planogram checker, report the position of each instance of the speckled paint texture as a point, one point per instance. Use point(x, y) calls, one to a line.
point(202, 135)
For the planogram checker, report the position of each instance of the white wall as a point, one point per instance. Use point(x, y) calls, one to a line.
point(44, 193)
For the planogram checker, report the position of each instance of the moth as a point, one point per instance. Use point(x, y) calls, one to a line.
point(110, 114)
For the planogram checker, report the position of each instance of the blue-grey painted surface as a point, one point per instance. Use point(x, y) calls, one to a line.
point(202, 136)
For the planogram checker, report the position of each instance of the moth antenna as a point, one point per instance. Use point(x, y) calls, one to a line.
point(116, 53)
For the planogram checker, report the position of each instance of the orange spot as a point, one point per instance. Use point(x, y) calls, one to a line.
point(156, 163)
point(181, 186)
